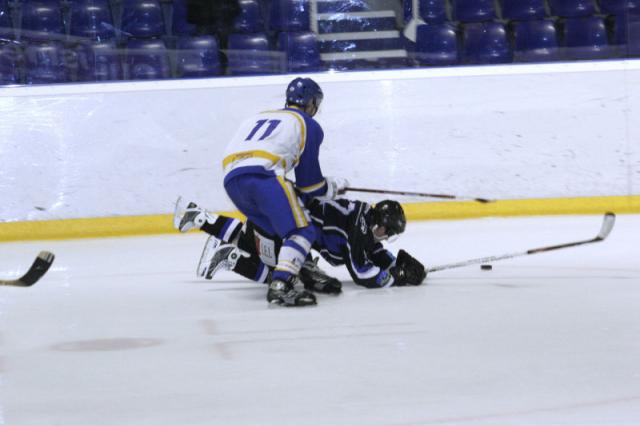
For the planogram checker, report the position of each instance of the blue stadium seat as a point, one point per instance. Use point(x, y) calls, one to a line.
point(437, 44)
point(585, 38)
point(473, 10)
point(430, 10)
point(179, 24)
point(302, 53)
point(535, 41)
point(6, 23)
point(522, 10)
point(289, 15)
point(197, 57)
point(45, 63)
point(485, 43)
point(142, 18)
point(10, 60)
point(625, 31)
point(42, 20)
point(250, 54)
point(99, 61)
point(572, 8)
point(618, 7)
point(147, 59)
point(91, 19)
point(250, 18)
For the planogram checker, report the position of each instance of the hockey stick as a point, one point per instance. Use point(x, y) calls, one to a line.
point(607, 226)
point(418, 194)
point(38, 269)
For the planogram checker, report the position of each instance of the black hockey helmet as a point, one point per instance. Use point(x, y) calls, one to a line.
point(305, 93)
point(389, 213)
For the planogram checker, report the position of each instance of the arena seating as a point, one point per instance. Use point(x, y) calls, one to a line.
point(289, 15)
point(485, 43)
point(585, 38)
point(535, 41)
point(301, 51)
point(430, 11)
point(473, 10)
point(251, 54)
point(197, 56)
point(523, 10)
point(45, 63)
point(618, 7)
point(250, 19)
point(42, 20)
point(572, 8)
point(10, 58)
point(6, 21)
point(147, 59)
point(142, 18)
point(437, 44)
point(179, 24)
point(98, 61)
point(91, 19)
point(50, 41)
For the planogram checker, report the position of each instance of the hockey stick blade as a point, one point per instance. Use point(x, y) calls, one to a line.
point(40, 266)
point(419, 194)
point(607, 225)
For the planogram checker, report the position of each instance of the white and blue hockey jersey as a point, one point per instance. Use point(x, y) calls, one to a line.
point(276, 142)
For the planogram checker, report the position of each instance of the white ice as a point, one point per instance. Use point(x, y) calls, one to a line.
point(121, 332)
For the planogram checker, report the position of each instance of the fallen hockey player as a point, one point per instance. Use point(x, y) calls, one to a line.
point(349, 232)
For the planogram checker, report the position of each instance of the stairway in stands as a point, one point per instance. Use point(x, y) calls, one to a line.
point(354, 35)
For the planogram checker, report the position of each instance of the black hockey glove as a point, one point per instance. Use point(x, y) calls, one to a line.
point(408, 270)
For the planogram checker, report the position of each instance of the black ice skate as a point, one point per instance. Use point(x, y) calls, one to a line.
point(283, 293)
point(315, 279)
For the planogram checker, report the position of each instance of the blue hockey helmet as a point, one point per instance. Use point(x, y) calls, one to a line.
point(304, 93)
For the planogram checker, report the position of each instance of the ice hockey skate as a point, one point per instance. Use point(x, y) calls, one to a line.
point(316, 280)
point(283, 293)
point(189, 216)
point(217, 255)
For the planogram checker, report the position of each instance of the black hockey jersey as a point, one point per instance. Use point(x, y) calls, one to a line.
point(347, 239)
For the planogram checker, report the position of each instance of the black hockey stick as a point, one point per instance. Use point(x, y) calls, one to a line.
point(607, 226)
point(418, 194)
point(38, 269)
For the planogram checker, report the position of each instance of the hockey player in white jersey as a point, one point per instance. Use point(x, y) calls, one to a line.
point(264, 149)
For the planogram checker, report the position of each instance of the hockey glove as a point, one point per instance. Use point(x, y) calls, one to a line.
point(408, 270)
point(335, 187)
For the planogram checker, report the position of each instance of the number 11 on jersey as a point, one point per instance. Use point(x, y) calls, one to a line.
point(270, 128)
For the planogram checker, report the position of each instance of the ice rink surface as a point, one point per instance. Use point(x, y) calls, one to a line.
point(121, 332)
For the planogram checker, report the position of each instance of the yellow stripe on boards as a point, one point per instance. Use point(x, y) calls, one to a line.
point(525, 207)
point(162, 224)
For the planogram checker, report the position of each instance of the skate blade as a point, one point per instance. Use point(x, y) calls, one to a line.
point(178, 212)
point(205, 259)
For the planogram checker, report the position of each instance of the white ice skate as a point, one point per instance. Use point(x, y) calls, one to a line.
point(217, 255)
point(189, 215)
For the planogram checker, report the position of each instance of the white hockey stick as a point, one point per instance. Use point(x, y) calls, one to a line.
point(38, 269)
point(607, 226)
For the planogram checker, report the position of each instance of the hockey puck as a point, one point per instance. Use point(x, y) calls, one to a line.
point(486, 267)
